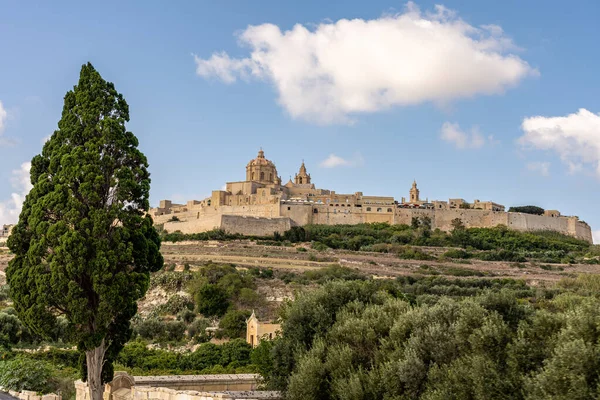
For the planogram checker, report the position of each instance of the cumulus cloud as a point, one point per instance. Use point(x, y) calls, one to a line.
point(4, 141)
point(575, 138)
point(596, 235)
point(21, 184)
point(333, 161)
point(542, 168)
point(473, 139)
point(3, 116)
point(328, 72)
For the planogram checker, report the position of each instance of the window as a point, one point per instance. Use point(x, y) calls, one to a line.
point(289, 208)
point(368, 208)
point(379, 209)
point(389, 210)
point(270, 177)
point(262, 176)
point(300, 180)
point(315, 211)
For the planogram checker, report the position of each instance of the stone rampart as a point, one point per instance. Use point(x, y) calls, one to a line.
point(264, 219)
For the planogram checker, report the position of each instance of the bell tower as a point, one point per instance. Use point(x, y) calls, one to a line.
point(414, 193)
point(302, 177)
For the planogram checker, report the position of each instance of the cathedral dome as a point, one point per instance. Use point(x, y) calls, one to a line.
point(262, 170)
point(260, 160)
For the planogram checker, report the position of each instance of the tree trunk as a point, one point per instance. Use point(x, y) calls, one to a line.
point(94, 359)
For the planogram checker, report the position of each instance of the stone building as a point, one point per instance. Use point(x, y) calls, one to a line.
point(257, 331)
point(261, 205)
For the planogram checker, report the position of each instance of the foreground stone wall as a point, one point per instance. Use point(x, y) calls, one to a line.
point(30, 395)
point(179, 387)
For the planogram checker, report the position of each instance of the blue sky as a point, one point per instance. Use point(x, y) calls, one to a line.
point(394, 91)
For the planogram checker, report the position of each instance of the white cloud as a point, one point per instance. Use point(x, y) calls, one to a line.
point(4, 141)
point(542, 168)
point(3, 116)
point(452, 133)
point(21, 183)
point(596, 236)
point(333, 161)
point(575, 138)
point(328, 73)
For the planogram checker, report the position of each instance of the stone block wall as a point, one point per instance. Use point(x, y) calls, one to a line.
point(254, 226)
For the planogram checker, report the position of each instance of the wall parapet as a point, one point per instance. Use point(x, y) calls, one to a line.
point(30, 395)
point(180, 387)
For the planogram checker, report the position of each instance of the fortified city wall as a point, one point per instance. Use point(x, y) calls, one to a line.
point(262, 204)
point(254, 220)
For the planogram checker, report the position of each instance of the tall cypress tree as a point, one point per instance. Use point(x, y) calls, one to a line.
point(84, 246)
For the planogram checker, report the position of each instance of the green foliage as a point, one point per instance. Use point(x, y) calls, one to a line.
point(211, 300)
point(10, 329)
point(233, 324)
point(350, 340)
point(535, 210)
point(170, 281)
point(322, 275)
point(160, 331)
point(365, 236)
point(296, 234)
point(207, 358)
point(84, 245)
point(25, 374)
point(457, 253)
point(216, 234)
point(176, 304)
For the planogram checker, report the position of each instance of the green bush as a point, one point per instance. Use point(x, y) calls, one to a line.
point(212, 301)
point(458, 253)
point(233, 324)
point(25, 374)
point(162, 331)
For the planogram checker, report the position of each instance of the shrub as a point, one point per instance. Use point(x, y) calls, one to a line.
point(236, 351)
point(248, 298)
point(186, 315)
point(457, 253)
point(233, 324)
point(197, 330)
point(535, 210)
point(319, 246)
point(25, 374)
point(212, 301)
point(174, 305)
point(10, 327)
point(162, 331)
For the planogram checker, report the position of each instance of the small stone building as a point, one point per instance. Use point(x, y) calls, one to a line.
point(257, 331)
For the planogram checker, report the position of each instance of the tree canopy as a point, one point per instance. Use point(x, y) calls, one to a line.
point(535, 210)
point(347, 340)
point(84, 245)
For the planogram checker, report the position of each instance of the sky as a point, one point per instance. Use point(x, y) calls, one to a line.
point(473, 99)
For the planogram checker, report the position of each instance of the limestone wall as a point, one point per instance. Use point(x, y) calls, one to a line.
point(310, 213)
point(195, 225)
point(30, 395)
point(179, 387)
point(254, 226)
point(264, 219)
